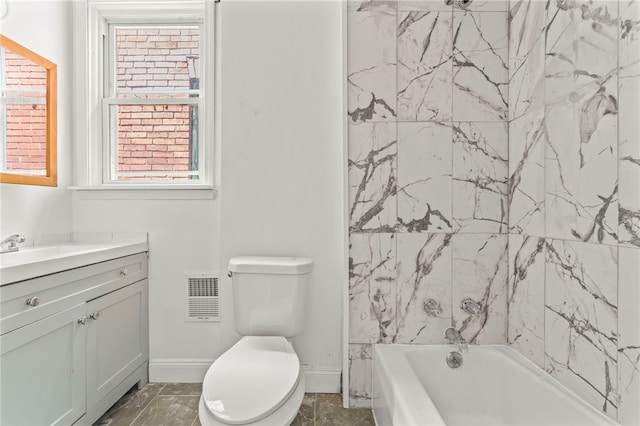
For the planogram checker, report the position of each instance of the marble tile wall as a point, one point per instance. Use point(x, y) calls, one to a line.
point(581, 108)
point(580, 316)
point(629, 214)
point(528, 140)
point(629, 336)
point(629, 134)
point(574, 196)
point(494, 153)
point(428, 175)
point(526, 296)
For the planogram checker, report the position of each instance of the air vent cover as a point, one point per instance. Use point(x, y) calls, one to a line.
point(203, 302)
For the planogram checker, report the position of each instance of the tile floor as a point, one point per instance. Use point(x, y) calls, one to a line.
point(176, 404)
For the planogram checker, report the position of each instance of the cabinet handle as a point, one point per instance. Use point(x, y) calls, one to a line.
point(94, 315)
point(123, 272)
point(83, 320)
point(33, 301)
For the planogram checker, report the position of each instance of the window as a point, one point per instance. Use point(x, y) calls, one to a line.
point(151, 111)
point(149, 95)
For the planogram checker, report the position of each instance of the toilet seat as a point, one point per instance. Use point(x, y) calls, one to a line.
point(251, 380)
point(283, 416)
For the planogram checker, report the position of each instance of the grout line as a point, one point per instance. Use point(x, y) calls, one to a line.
point(147, 404)
point(397, 197)
point(546, 141)
point(194, 420)
point(619, 408)
point(315, 408)
point(452, 153)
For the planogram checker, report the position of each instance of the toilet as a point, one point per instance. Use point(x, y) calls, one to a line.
point(258, 381)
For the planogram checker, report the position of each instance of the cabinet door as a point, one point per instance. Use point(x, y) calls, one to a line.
point(42, 371)
point(117, 338)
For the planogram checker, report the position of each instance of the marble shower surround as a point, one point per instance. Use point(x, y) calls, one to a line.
point(428, 175)
point(441, 171)
point(574, 214)
point(581, 107)
point(629, 214)
point(581, 315)
point(565, 314)
point(443, 175)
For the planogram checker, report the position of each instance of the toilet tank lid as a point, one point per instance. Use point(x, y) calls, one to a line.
point(271, 265)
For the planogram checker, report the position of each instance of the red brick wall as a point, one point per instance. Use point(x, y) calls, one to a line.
point(26, 124)
point(154, 137)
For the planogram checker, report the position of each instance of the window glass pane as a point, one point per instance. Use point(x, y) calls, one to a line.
point(154, 142)
point(25, 151)
point(23, 115)
point(157, 60)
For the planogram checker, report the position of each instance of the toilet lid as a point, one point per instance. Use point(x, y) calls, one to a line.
point(251, 380)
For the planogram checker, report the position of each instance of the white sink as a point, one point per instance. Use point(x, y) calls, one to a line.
point(31, 262)
point(36, 254)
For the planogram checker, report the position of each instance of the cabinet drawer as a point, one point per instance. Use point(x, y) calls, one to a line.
point(62, 290)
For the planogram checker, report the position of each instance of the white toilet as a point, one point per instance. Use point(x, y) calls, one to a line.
point(258, 381)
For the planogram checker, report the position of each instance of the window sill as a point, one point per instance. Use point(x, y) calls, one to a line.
point(145, 192)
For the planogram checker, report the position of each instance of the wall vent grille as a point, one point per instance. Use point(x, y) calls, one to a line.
point(203, 298)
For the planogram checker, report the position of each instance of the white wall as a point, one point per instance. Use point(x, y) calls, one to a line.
point(45, 28)
point(182, 239)
point(280, 188)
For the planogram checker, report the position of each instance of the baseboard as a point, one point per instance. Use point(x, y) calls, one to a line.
point(321, 379)
point(178, 370)
point(318, 379)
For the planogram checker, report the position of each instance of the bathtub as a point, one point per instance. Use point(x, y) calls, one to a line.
point(413, 386)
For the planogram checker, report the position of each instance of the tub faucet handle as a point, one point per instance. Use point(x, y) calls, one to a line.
point(10, 244)
point(471, 307)
point(432, 307)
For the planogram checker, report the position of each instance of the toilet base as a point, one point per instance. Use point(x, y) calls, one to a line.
point(282, 416)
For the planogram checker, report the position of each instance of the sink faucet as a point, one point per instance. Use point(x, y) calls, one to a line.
point(10, 244)
point(453, 336)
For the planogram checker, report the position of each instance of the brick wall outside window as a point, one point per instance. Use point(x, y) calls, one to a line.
point(154, 137)
point(25, 124)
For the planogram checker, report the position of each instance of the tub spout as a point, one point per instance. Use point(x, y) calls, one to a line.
point(454, 337)
point(10, 244)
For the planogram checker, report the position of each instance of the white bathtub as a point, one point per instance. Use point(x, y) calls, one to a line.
point(413, 386)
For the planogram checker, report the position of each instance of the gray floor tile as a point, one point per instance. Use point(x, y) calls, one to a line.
point(130, 405)
point(307, 413)
point(176, 404)
point(169, 410)
point(329, 412)
point(196, 422)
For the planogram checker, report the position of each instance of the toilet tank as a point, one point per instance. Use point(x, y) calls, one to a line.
point(270, 294)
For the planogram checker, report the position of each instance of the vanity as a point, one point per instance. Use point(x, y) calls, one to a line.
point(73, 330)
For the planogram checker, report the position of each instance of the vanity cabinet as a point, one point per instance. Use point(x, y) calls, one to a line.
point(73, 342)
point(117, 342)
point(43, 371)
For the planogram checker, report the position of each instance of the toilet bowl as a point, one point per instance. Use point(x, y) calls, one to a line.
point(256, 382)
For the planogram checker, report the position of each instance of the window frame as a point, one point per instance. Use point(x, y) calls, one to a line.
point(50, 177)
point(94, 20)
